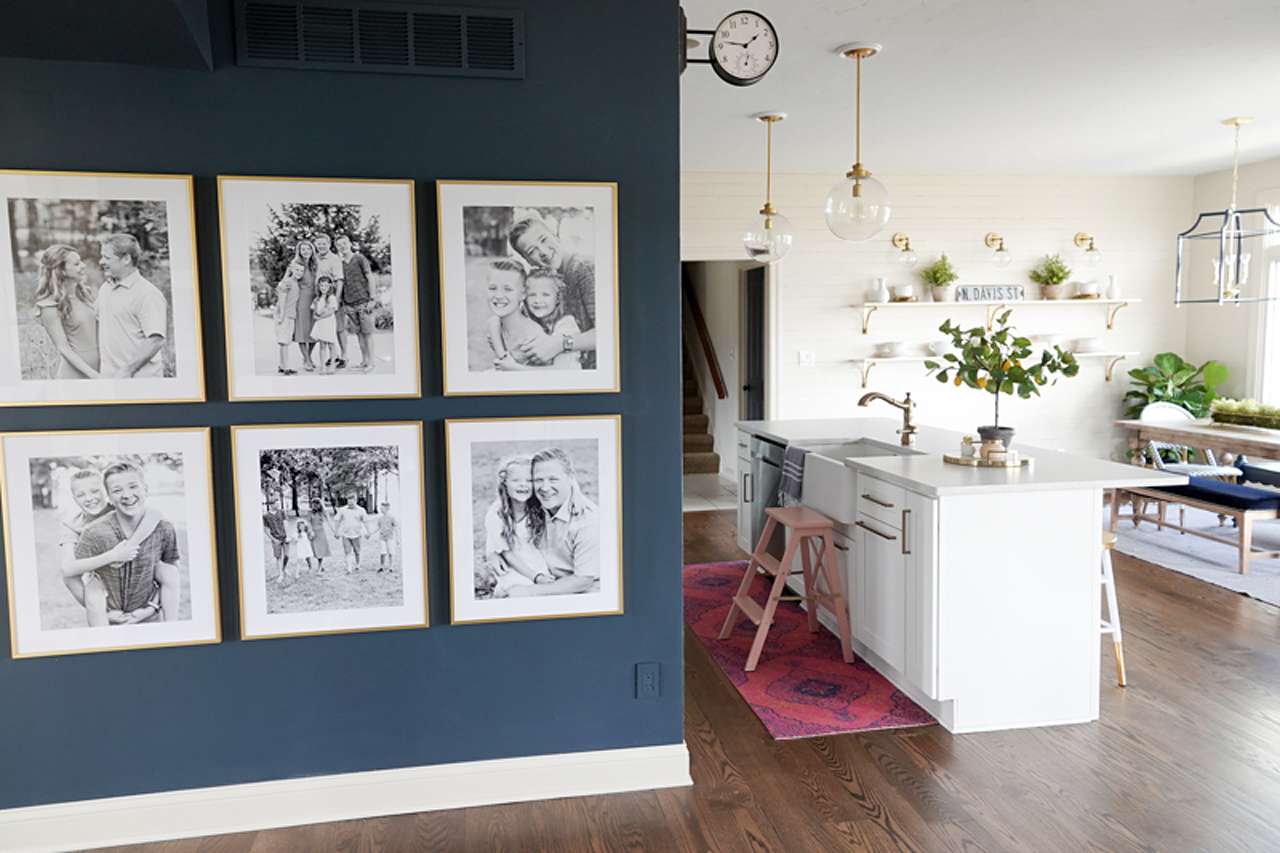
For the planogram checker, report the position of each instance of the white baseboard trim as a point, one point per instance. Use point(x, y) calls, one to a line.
point(320, 799)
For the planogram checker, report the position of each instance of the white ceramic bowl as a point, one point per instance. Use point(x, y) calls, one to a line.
point(904, 291)
point(1086, 288)
point(1086, 345)
point(888, 349)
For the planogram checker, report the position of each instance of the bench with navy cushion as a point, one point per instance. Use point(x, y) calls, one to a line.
point(1243, 504)
point(1265, 474)
point(1225, 494)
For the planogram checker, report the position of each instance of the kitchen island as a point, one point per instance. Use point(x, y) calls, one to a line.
point(974, 590)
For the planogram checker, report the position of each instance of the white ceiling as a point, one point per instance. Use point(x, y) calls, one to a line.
point(1114, 87)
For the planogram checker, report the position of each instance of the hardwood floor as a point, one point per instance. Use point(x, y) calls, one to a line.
point(1186, 758)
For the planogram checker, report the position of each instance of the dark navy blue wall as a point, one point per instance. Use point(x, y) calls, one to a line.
point(600, 102)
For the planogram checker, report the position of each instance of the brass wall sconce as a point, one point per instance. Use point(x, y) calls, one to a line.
point(999, 254)
point(906, 256)
point(1092, 256)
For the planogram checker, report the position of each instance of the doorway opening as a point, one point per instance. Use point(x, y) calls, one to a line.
point(727, 373)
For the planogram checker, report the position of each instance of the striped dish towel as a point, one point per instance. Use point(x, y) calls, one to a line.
point(792, 475)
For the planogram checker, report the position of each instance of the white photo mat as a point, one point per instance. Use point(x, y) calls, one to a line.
point(602, 199)
point(255, 620)
point(242, 205)
point(460, 438)
point(176, 193)
point(28, 637)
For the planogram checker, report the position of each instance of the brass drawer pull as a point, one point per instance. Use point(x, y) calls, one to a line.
point(877, 501)
point(906, 524)
point(840, 547)
point(876, 532)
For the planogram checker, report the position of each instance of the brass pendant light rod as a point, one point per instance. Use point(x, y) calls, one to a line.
point(769, 119)
point(858, 51)
point(1236, 122)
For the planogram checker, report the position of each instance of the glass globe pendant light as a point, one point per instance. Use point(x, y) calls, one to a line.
point(769, 236)
point(858, 207)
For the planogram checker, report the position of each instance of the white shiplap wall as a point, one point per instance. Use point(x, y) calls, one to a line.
point(1134, 220)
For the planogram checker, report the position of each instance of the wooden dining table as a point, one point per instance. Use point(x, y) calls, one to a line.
point(1226, 440)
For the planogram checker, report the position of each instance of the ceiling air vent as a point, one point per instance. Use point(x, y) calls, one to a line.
point(381, 37)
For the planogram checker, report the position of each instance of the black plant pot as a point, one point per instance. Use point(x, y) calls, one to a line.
point(1005, 434)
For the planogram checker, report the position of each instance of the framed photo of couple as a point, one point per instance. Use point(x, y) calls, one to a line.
point(529, 287)
point(109, 540)
point(99, 298)
point(330, 528)
point(320, 287)
point(535, 517)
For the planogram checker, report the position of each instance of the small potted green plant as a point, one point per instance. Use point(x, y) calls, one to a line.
point(940, 276)
point(997, 361)
point(1051, 274)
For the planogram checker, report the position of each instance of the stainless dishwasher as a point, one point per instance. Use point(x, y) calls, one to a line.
point(766, 476)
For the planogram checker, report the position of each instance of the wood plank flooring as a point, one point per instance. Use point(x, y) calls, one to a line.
point(1186, 758)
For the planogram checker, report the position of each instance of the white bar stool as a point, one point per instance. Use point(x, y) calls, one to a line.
point(1111, 625)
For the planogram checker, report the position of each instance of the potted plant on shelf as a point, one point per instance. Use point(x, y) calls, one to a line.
point(1170, 379)
point(1051, 274)
point(995, 360)
point(940, 275)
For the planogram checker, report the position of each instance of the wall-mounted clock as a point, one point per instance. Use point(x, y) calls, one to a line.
point(742, 48)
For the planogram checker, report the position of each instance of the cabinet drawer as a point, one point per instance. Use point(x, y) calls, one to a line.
point(744, 446)
point(882, 501)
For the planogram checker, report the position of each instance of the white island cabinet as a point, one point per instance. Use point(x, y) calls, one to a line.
point(976, 592)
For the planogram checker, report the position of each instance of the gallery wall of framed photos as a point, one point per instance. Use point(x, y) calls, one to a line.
point(252, 430)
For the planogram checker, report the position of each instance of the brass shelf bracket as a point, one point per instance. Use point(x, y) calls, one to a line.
point(865, 370)
point(867, 311)
point(992, 311)
point(1111, 365)
point(1111, 314)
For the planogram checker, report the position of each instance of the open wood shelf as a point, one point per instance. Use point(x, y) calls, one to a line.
point(865, 365)
point(994, 307)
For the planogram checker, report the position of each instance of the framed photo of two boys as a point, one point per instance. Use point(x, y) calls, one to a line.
point(529, 287)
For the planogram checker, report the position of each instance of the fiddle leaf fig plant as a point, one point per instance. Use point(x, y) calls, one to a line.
point(999, 361)
point(940, 273)
point(1171, 379)
point(1051, 270)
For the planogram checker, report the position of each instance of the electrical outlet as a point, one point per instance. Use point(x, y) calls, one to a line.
point(806, 358)
point(648, 680)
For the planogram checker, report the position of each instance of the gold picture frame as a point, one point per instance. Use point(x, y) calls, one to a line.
point(409, 308)
point(194, 325)
point(240, 518)
point(451, 270)
point(11, 537)
point(458, 586)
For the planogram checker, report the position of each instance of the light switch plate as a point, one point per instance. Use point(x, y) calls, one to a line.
point(806, 357)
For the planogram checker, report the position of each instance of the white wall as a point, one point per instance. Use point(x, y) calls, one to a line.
point(1228, 333)
point(1135, 222)
point(717, 288)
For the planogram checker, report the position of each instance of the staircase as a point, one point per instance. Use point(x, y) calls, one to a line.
point(699, 455)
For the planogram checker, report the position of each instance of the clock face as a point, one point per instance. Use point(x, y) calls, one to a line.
point(744, 48)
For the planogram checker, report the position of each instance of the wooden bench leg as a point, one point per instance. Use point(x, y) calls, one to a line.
point(1246, 540)
point(1116, 496)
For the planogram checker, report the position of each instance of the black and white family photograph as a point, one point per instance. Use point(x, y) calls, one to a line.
point(330, 524)
point(111, 536)
point(541, 499)
point(537, 515)
point(93, 286)
point(320, 304)
point(529, 287)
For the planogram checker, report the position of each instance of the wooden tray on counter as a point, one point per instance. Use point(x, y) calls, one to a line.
point(976, 462)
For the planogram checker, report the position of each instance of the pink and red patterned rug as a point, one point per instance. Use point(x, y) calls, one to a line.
point(801, 686)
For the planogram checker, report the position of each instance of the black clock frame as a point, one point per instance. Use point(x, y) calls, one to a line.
point(711, 60)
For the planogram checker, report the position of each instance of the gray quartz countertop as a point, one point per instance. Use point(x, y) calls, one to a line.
point(926, 473)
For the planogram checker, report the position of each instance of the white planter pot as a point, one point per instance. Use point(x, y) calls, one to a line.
point(1054, 291)
point(943, 293)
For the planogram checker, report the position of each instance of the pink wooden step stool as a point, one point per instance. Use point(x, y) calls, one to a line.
point(811, 536)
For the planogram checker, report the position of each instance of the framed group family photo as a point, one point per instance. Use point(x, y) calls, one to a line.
point(330, 523)
point(320, 287)
point(528, 287)
point(535, 517)
point(109, 541)
point(99, 298)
